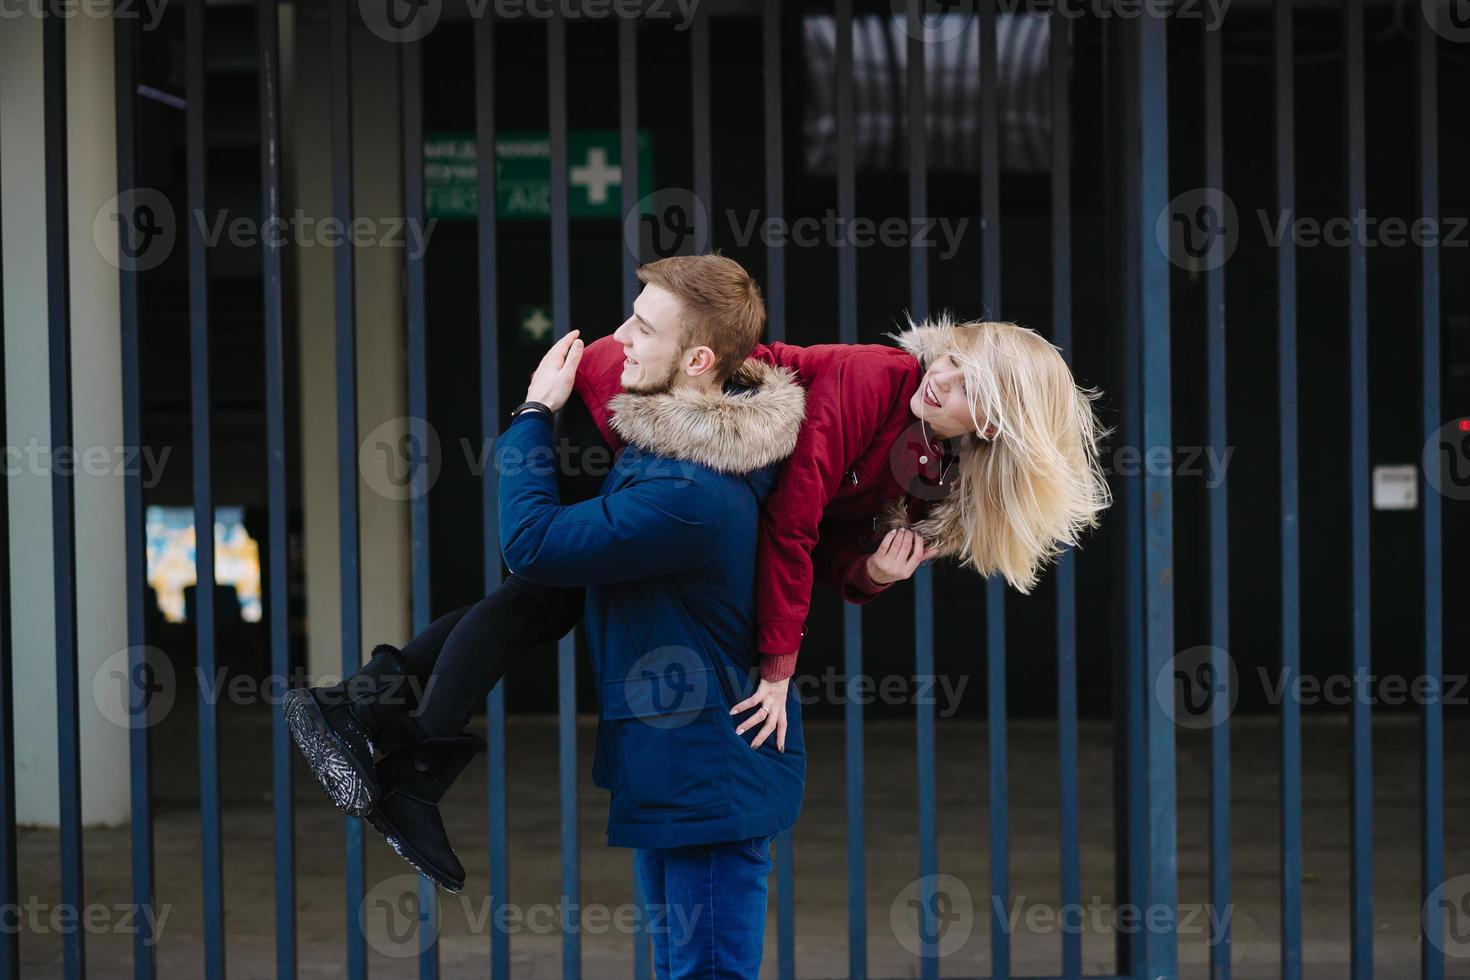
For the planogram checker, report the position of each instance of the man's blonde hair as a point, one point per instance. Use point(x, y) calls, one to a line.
point(723, 309)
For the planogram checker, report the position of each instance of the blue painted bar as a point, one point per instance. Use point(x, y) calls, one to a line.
point(344, 307)
point(1431, 773)
point(924, 578)
point(282, 752)
point(642, 945)
point(498, 822)
point(212, 857)
point(1129, 684)
point(775, 178)
point(852, 615)
point(1218, 516)
point(1059, 59)
point(700, 123)
point(416, 348)
point(1360, 732)
point(1160, 946)
point(561, 312)
point(1286, 293)
point(628, 145)
point(995, 585)
point(9, 938)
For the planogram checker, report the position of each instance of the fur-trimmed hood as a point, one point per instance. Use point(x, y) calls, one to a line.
point(929, 339)
point(752, 423)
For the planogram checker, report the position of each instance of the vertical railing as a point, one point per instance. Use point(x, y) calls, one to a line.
point(9, 939)
point(1286, 292)
point(995, 585)
point(1218, 517)
point(918, 158)
point(344, 310)
point(1360, 733)
point(416, 345)
point(63, 528)
point(489, 296)
point(1059, 52)
point(561, 314)
point(852, 615)
point(140, 806)
point(196, 154)
point(1431, 773)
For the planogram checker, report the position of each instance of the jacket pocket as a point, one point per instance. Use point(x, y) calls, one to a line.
point(665, 722)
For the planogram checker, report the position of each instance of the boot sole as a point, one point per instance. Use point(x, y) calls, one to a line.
point(406, 851)
point(334, 767)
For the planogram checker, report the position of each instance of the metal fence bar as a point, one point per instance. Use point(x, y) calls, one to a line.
point(1431, 773)
point(344, 308)
point(700, 124)
point(416, 347)
point(1361, 876)
point(9, 938)
point(1216, 504)
point(282, 753)
point(1160, 945)
point(140, 805)
point(212, 857)
point(489, 294)
point(918, 157)
point(852, 615)
point(775, 179)
point(1286, 293)
point(561, 299)
point(995, 585)
point(1059, 29)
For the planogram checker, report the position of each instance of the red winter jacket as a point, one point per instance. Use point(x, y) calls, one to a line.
point(859, 450)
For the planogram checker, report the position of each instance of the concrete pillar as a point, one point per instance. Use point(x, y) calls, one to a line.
point(381, 363)
point(97, 414)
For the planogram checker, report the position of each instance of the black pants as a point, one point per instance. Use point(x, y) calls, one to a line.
point(461, 655)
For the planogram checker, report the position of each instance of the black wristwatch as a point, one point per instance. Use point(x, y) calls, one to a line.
point(531, 407)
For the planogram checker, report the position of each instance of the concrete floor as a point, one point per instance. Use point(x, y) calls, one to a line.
point(820, 861)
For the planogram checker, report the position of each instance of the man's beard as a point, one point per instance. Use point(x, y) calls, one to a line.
point(657, 387)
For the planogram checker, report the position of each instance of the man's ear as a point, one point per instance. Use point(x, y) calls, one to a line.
point(699, 361)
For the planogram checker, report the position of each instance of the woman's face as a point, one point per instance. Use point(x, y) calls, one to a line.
point(943, 401)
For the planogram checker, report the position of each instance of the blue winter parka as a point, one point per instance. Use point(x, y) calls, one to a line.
point(667, 553)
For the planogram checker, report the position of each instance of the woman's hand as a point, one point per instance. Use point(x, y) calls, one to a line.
point(551, 385)
point(770, 697)
point(900, 554)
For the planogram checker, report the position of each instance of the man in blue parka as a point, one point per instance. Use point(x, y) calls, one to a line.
point(667, 553)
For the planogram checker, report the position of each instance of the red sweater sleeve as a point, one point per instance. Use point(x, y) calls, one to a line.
point(835, 434)
point(841, 561)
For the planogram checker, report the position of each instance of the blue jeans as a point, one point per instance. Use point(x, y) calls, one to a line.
point(706, 907)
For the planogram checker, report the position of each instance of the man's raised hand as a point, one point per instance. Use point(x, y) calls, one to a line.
point(551, 385)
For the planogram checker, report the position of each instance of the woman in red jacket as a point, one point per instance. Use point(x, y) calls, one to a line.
point(968, 440)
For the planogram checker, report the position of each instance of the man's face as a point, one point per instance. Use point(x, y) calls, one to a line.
point(651, 342)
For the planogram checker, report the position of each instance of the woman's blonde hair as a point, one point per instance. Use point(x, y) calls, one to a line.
point(1026, 494)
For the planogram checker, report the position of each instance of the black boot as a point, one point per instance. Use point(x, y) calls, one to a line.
point(412, 779)
point(336, 727)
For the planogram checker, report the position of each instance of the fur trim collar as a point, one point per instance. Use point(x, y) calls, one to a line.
point(751, 424)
